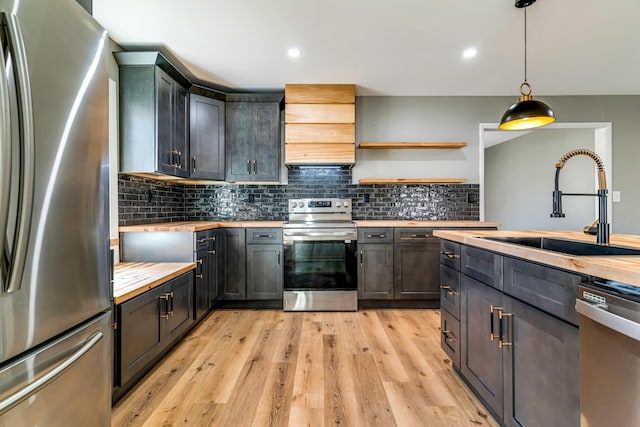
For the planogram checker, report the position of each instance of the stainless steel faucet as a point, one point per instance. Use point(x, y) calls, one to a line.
point(600, 227)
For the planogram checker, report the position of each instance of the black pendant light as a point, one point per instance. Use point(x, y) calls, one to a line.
point(527, 113)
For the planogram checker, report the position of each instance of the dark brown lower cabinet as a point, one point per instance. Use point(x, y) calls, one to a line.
point(265, 272)
point(541, 369)
point(232, 268)
point(148, 326)
point(375, 271)
point(417, 271)
point(520, 360)
point(480, 355)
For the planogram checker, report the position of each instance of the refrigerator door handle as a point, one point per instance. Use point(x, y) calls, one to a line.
point(5, 154)
point(15, 267)
point(41, 382)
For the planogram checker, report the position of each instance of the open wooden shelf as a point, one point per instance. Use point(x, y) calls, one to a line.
point(405, 145)
point(412, 180)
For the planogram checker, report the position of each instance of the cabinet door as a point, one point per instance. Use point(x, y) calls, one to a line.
point(264, 272)
point(167, 158)
point(206, 138)
point(375, 271)
point(450, 290)
point(201, 283)
point(480, 356)
point(541, 368)
point(450, 337)
point(240, 141)
point(266, 153)
point(232, 258)
point(181, 129)
point(212, 252)
point(417, 271)
point(181, 307)
point(140, 332)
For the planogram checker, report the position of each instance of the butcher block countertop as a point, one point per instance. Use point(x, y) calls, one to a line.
point(193, 226)
point(131, 279)
point(624, 269)
point(435, 224)
point(198, 225)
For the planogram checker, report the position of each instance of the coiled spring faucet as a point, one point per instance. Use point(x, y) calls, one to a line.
point(600, 227)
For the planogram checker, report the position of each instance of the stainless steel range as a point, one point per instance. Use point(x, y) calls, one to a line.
point(320, 256)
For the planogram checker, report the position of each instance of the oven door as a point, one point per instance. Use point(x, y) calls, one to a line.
point(320, 264)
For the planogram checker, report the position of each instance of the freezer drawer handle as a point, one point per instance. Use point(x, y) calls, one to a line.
point(41, 382)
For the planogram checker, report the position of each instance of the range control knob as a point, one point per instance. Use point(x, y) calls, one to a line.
point(345, 204)
point(338, 204)
point(301, 204)
point(294, 204)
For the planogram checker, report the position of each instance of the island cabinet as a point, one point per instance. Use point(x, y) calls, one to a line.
point(154, 115)
point(375, 263)
point(416, 260)
point(147, 327)
point(207, 136)
point(518, 337)
point(252, 141)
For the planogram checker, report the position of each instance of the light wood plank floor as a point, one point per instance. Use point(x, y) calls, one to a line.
point(271, 368)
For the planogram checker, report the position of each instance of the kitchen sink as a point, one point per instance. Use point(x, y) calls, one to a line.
point(571, 247)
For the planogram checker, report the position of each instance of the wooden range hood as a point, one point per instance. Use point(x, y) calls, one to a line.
point(320, 124)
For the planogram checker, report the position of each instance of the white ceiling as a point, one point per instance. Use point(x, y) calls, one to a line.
point(392, 47)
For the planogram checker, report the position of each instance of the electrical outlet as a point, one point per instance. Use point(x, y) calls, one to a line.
point(252, 198)
point(615, 196)
point(366, 197)
point(472, 198)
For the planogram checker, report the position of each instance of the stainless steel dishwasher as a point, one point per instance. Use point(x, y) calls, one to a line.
point(609, 354)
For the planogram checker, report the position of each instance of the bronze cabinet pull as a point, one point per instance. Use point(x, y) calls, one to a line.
point(501, 341)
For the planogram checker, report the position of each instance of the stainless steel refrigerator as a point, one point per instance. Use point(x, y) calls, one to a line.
point(55, 291)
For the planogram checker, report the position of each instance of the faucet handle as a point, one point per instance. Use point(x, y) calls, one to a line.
point(591, 229)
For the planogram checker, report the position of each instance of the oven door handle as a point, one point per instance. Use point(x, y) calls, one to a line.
point(606, 318)
point(290, 237)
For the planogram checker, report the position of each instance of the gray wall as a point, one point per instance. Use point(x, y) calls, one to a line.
point(519, 179)
point(457, 119)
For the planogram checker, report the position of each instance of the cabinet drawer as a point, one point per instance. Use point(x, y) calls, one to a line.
point(375, 235)
point(450, 337)
point(548, 289)
point(482, 265)
point(450, 290)
point(450, 254)
point(414, 235)
point(264, 235)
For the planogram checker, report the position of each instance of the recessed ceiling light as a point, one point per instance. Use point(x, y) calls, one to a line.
point(293, 52)
point(469, 53)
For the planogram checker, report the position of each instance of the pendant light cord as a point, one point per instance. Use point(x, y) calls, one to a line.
point(525, 44)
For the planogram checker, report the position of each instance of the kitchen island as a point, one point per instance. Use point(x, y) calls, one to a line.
point(509, 320)
point(620, 268)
